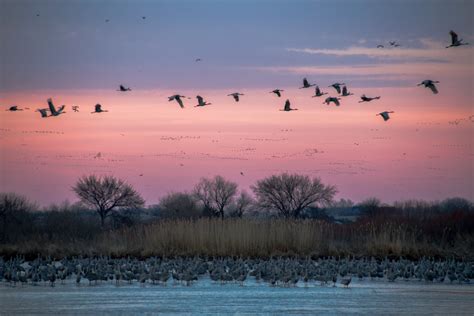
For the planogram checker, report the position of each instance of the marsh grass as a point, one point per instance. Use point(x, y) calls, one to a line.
point(263, 238)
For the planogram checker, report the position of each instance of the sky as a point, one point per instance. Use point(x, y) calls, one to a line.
point(79, 52)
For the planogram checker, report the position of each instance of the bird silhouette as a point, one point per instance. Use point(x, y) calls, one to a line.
point(14, 108)
point(235, 95)
point(197, 59)
point(318, 92)
point(455, 41)
point(346, 92)
point(394, 44)
point(429, 84)
point(277, 92)
point(98, 109)
point(201, 101)
point(288, 106)
point(123, 89)
point(306, 84)
point(177, 97)
point(380, 46)
point(335, 100)
point(365, 98)
point(385, 115)
point(53, 110)
point(75, 108)
point(337, 86)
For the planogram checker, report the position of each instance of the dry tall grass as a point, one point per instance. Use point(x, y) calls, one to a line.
point(259, 238)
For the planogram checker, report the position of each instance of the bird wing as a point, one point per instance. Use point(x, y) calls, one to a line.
point(236, 97)
point(122, 88)
point(433, 88)
point(454, 37)
point(344, 90)
point(98, 107)
point(336, 101)
point(51, 106)
point(180, 102)
point(278, 93)
point(338, 88)
point(287, 105)
point(200, 99)
point(61, 108)
point(305, 82)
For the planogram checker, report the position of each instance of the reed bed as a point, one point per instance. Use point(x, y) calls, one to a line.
point(258, 238)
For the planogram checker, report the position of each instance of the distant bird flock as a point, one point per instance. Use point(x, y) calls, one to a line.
point(340, 88)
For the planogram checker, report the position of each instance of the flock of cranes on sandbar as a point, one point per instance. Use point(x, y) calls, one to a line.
point(341, 89)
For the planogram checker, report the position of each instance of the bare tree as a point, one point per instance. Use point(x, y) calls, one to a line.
point(106, 194)
point(11, 205)
point(179, 205)
point(369, 207)
point(242, 203)
point(216, 194)
point(290, 194)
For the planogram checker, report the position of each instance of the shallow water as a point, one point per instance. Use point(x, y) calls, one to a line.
point(204, 297)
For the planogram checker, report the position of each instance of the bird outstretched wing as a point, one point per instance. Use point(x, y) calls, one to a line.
point(433, 88)
point(454, 37)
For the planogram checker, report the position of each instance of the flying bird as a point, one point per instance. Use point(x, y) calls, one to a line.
point(455, 41)
point(306, 84)
point(394, 44)
point(197, 59)
point(43, 112)
point(288, 106)
point(75, 108)
point(235, 95)
point(98, 109)
point(277, 92)
point(337, 86)
point(201, 101)
point(177, 97)
point(385, 115)
point(335, 100)
point(429, 84)
point(14, 108)
point(345, 92)
point(53, 110)
point(318, 92)
point(380, 46)
point(365, 98)
point(123, 89)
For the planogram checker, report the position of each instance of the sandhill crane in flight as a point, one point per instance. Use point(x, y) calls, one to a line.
point(277, 92)
point(123, 89)
point(53, 110)
point(429, 84)
point(394, 44)
point(306, 84)
point(380, 46)
point(201, 101)
point(318, 92)
point(335, 100)
point(197, 59)
point(43, 112)
point(385, 115)
point(288, 106)
point(337, 86)
point(75, 108)
point(364, 98)
point(177, 97)
point(455, 41)
point(14, 108)
point(346, 92)
point(98, 109)
point(235, 95)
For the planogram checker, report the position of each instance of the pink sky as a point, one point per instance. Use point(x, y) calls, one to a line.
point(417, 154)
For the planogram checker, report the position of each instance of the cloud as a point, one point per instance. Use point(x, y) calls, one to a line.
point(395, 71)
point(430, 50)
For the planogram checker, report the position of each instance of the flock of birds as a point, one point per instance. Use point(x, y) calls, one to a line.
point(340, 88)
point(274, 271)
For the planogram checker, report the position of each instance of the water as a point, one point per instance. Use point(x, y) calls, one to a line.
point(204, 297)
